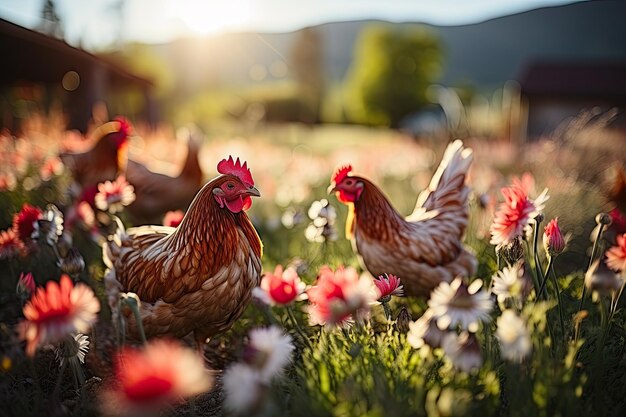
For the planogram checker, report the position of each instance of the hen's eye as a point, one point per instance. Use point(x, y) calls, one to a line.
point(230, 186)
point(349, 182)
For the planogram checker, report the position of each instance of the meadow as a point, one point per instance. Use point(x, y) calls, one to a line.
point(545, 335)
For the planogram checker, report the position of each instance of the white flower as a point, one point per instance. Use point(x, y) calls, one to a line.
point(425, 331)
point(457, 304)
point(510, 283)
point(269, 351)
point(243, 388)
point(113, 196)
point(50, 226)
point(463, 350)
point(513, 336)
point(73, 349)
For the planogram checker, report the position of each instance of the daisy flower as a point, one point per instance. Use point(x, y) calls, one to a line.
point(25, 221)
point(57, 310)
point(269, 351)
point(73, 348)
point(513, 216)
point(616, 255)
point(457, 304)
point(510, 283)
point(388, 285)
point(513, 336)
point(10, 244)
point(280, 287)
point(173, 218)
point(338, 295)
point(114, 196)
point(50, 226)
point(244, 389)
point(163, 372)
point(463, 350)
point(553, 240)
point(424, 331)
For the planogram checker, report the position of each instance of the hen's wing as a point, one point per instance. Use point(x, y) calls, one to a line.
point(441, 213)
point(137, 257)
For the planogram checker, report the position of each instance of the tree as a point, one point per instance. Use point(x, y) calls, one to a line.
point(306, 63)
point(51, 23)
point(392, 68)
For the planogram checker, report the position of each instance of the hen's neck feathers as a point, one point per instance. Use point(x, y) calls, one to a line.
point(374, 214)
point(208, 225)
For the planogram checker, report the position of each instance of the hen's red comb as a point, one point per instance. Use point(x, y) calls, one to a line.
point(228, 166)
point(125, 126)
point(341, 173)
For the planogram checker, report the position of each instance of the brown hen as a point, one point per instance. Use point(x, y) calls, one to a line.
point(196, 278)
point(103, 162)
point(157, 193)
point(423, 249)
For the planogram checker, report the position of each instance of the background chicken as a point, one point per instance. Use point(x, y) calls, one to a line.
point(158, 193)
point(423, 249)
point(198, 277)
point(104, 161)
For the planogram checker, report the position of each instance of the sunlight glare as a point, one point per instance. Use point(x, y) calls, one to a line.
point(204, 17)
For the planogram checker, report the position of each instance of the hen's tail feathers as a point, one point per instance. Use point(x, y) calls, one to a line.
point(111, 247)
point(447, 192)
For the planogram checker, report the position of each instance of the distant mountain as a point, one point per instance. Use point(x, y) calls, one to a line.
point(484, 55)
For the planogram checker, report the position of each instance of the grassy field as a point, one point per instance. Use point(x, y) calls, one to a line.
point(570, 367)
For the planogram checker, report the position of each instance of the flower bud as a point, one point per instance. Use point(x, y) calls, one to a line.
point(601, 280)
point(25, 285)
point(553, 241)
point(511, 252)
point(402, 320)
point(603, 218)
point(73, 264)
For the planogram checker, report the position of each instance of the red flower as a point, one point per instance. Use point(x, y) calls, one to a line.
point(618, 221)
point(24, 221)
point(515, 213)
point(616, 255)
point(26, 284)
point(173, 218)
point(387, 286)
point(56, 311)
point(10, 244)
point(280, 287)
point(162, 373)
point(113, 196)
point(338, 295)
point(553, 241)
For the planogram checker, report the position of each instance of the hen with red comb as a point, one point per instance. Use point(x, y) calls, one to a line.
point(198, 277)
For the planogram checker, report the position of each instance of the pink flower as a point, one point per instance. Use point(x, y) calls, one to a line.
point(280, 287)
point(553, 241)
point(113, 196)
point(387, 286)
point(173, 218)
point(515, 213)
point(162, 373)
point(338, 295)
point(10, 244)
point(51, 166)
point(24, 222)
point(618, 220)
point(616, 255)
point(26, 284)
point(56, 311)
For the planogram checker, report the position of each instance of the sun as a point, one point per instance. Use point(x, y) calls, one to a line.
point(204, 17)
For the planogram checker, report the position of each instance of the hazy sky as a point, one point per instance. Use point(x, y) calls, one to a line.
point(98, 23)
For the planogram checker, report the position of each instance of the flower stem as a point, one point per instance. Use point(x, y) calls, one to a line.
point(387, 310)
point(593, 255)
point(536, 255)
point(57, 387)
point(296, 326)
point(545, 279)
point(550, 269)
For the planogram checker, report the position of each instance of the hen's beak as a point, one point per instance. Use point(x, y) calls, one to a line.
point(331, 188)
point(252, 191)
